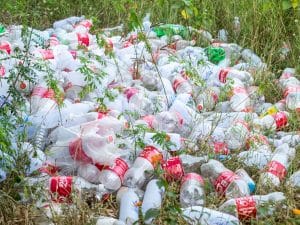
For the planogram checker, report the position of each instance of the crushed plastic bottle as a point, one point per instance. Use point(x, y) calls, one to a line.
point(225, 181)
point(246, 208)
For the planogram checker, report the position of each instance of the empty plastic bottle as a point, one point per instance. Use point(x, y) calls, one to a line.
point(192, 191)
point(129, 211)
point(62, 187)
point(152, 199)
point(112, 177)
point(237, 134)
point(249, 207)
point(146, 161)
point(181, 85)
point(205, 216)
point(245, 176)
point(276, 170)
point(271, 122)
point(224, 180)
point(294, 180)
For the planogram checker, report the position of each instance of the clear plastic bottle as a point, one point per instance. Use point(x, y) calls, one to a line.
point(152, 199)
point(146, 161)
point(228, 72)
point(192, 191)
point(201, 215)
point(112, 177)
point(89, 172)
point(181, 85)
point(62, 187)
point(271, 122)
point(237, 135)
point(250, 57)
point(129, 211)
point(246, 208)
point(276, 170)
point(224, 180)
point(294, 180)
point(207, 100)
point(245, 176)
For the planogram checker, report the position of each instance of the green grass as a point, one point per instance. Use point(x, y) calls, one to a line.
point(265, 25)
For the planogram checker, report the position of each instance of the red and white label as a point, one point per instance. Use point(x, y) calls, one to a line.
point(120, 167)
point(192, 176)
point(281, 120)
point(86, 23)
point(49, 169)
point(177, 82)
point(129, 92)
point(223, 181)
point(5, 46)
point(239, 90)
point(179, 118)
point(286, 75)
point(73, 53)
point(43, 92)
point(60, 188)
point(243, 123)
point(246, 207)
point(127, 44)
point(77, 153)
point(149, 120)
point(46, 54)
point(290, 90)
point(101, 115)
point(173, 168)
point(83, 39)
point(2, 71)
point(257, 139)
point(53, 41)
point(277, 169)
point(223, 74)
point(152, 155)
point(221, 148)
point(215, 97)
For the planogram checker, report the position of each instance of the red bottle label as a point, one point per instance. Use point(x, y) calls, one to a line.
point(290, 90)
point(223, 74)
point(192, 176)
point(46, 54)
point(246, 207)
point(61, 189)
point(86, 23)
point(243, 123)
point(6, 47)
point(152, 155)
point(277, 169)
point(173, 168)
point(221, 148)
point(281, 120)
point(83, 39)
point(77, 153)
point(53, 41)
point(127, 44)
point(149, 120)
point(129, 92)
point(257, 139)
point(101, 115)
point(179, 118)
point(120, 167)
point(43, 92)
point(49, 169)
point(223, 181)
point(2, 71)
point(73, 53)
point(177, 82)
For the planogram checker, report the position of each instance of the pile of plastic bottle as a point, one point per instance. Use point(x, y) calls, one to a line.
point(159, 95)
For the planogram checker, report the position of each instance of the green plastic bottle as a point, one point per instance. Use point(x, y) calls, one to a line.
point(171, 29)
point(2, 29)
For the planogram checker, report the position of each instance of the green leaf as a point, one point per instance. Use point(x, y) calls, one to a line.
point(286, 4)
point(295, 3)
point(151, 213)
